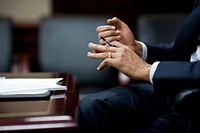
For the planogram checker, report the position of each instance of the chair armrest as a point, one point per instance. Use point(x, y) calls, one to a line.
point(187, 102)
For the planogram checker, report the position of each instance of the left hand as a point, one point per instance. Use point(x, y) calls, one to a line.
point(122, 58)
point(117, 30)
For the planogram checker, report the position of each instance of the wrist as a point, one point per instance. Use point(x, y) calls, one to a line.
point(147, 69)
point(138, 48)
point(142, 74)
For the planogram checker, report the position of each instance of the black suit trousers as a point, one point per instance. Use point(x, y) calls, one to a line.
point(132, 108)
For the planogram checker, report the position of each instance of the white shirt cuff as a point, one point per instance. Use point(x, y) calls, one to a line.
point(144, 50)
point(152, 70)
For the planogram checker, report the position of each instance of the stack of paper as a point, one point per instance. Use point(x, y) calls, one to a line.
point(13, 86)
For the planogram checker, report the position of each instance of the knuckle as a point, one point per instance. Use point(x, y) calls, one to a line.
point(98, 29)
point(105, 55)
point(123, 49)
point(99, 36)
point(106, 48)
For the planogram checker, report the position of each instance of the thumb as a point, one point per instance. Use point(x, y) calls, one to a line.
point(116, 22)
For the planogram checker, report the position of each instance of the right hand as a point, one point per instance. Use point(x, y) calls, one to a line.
point(122, 58)
point(117, 30)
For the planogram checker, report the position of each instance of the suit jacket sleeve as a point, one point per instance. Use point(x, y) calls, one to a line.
point(173, 76)
point(159, 52)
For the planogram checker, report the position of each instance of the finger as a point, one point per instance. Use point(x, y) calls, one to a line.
point(98, 55)
point(101, 66)
point(116, 22)
point(110, 39)
point(101, 48)
point(104, 63)
point(108, 33)
point(117, 44)
point(96, 47)
point(105, 28)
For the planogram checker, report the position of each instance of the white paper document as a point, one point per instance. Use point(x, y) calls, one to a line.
point(12, 86)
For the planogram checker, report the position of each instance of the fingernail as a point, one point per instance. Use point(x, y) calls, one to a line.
point(90, 44)
point(89, 53)
point(113, 27)
point(117, 31)
point(118, 37)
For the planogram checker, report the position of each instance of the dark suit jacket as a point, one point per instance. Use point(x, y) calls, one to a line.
point(175, 70)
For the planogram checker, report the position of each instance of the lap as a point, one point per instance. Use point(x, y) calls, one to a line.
point(121, 107)
point(138, 96)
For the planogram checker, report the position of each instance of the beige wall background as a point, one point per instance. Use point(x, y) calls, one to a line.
point(25, 11)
